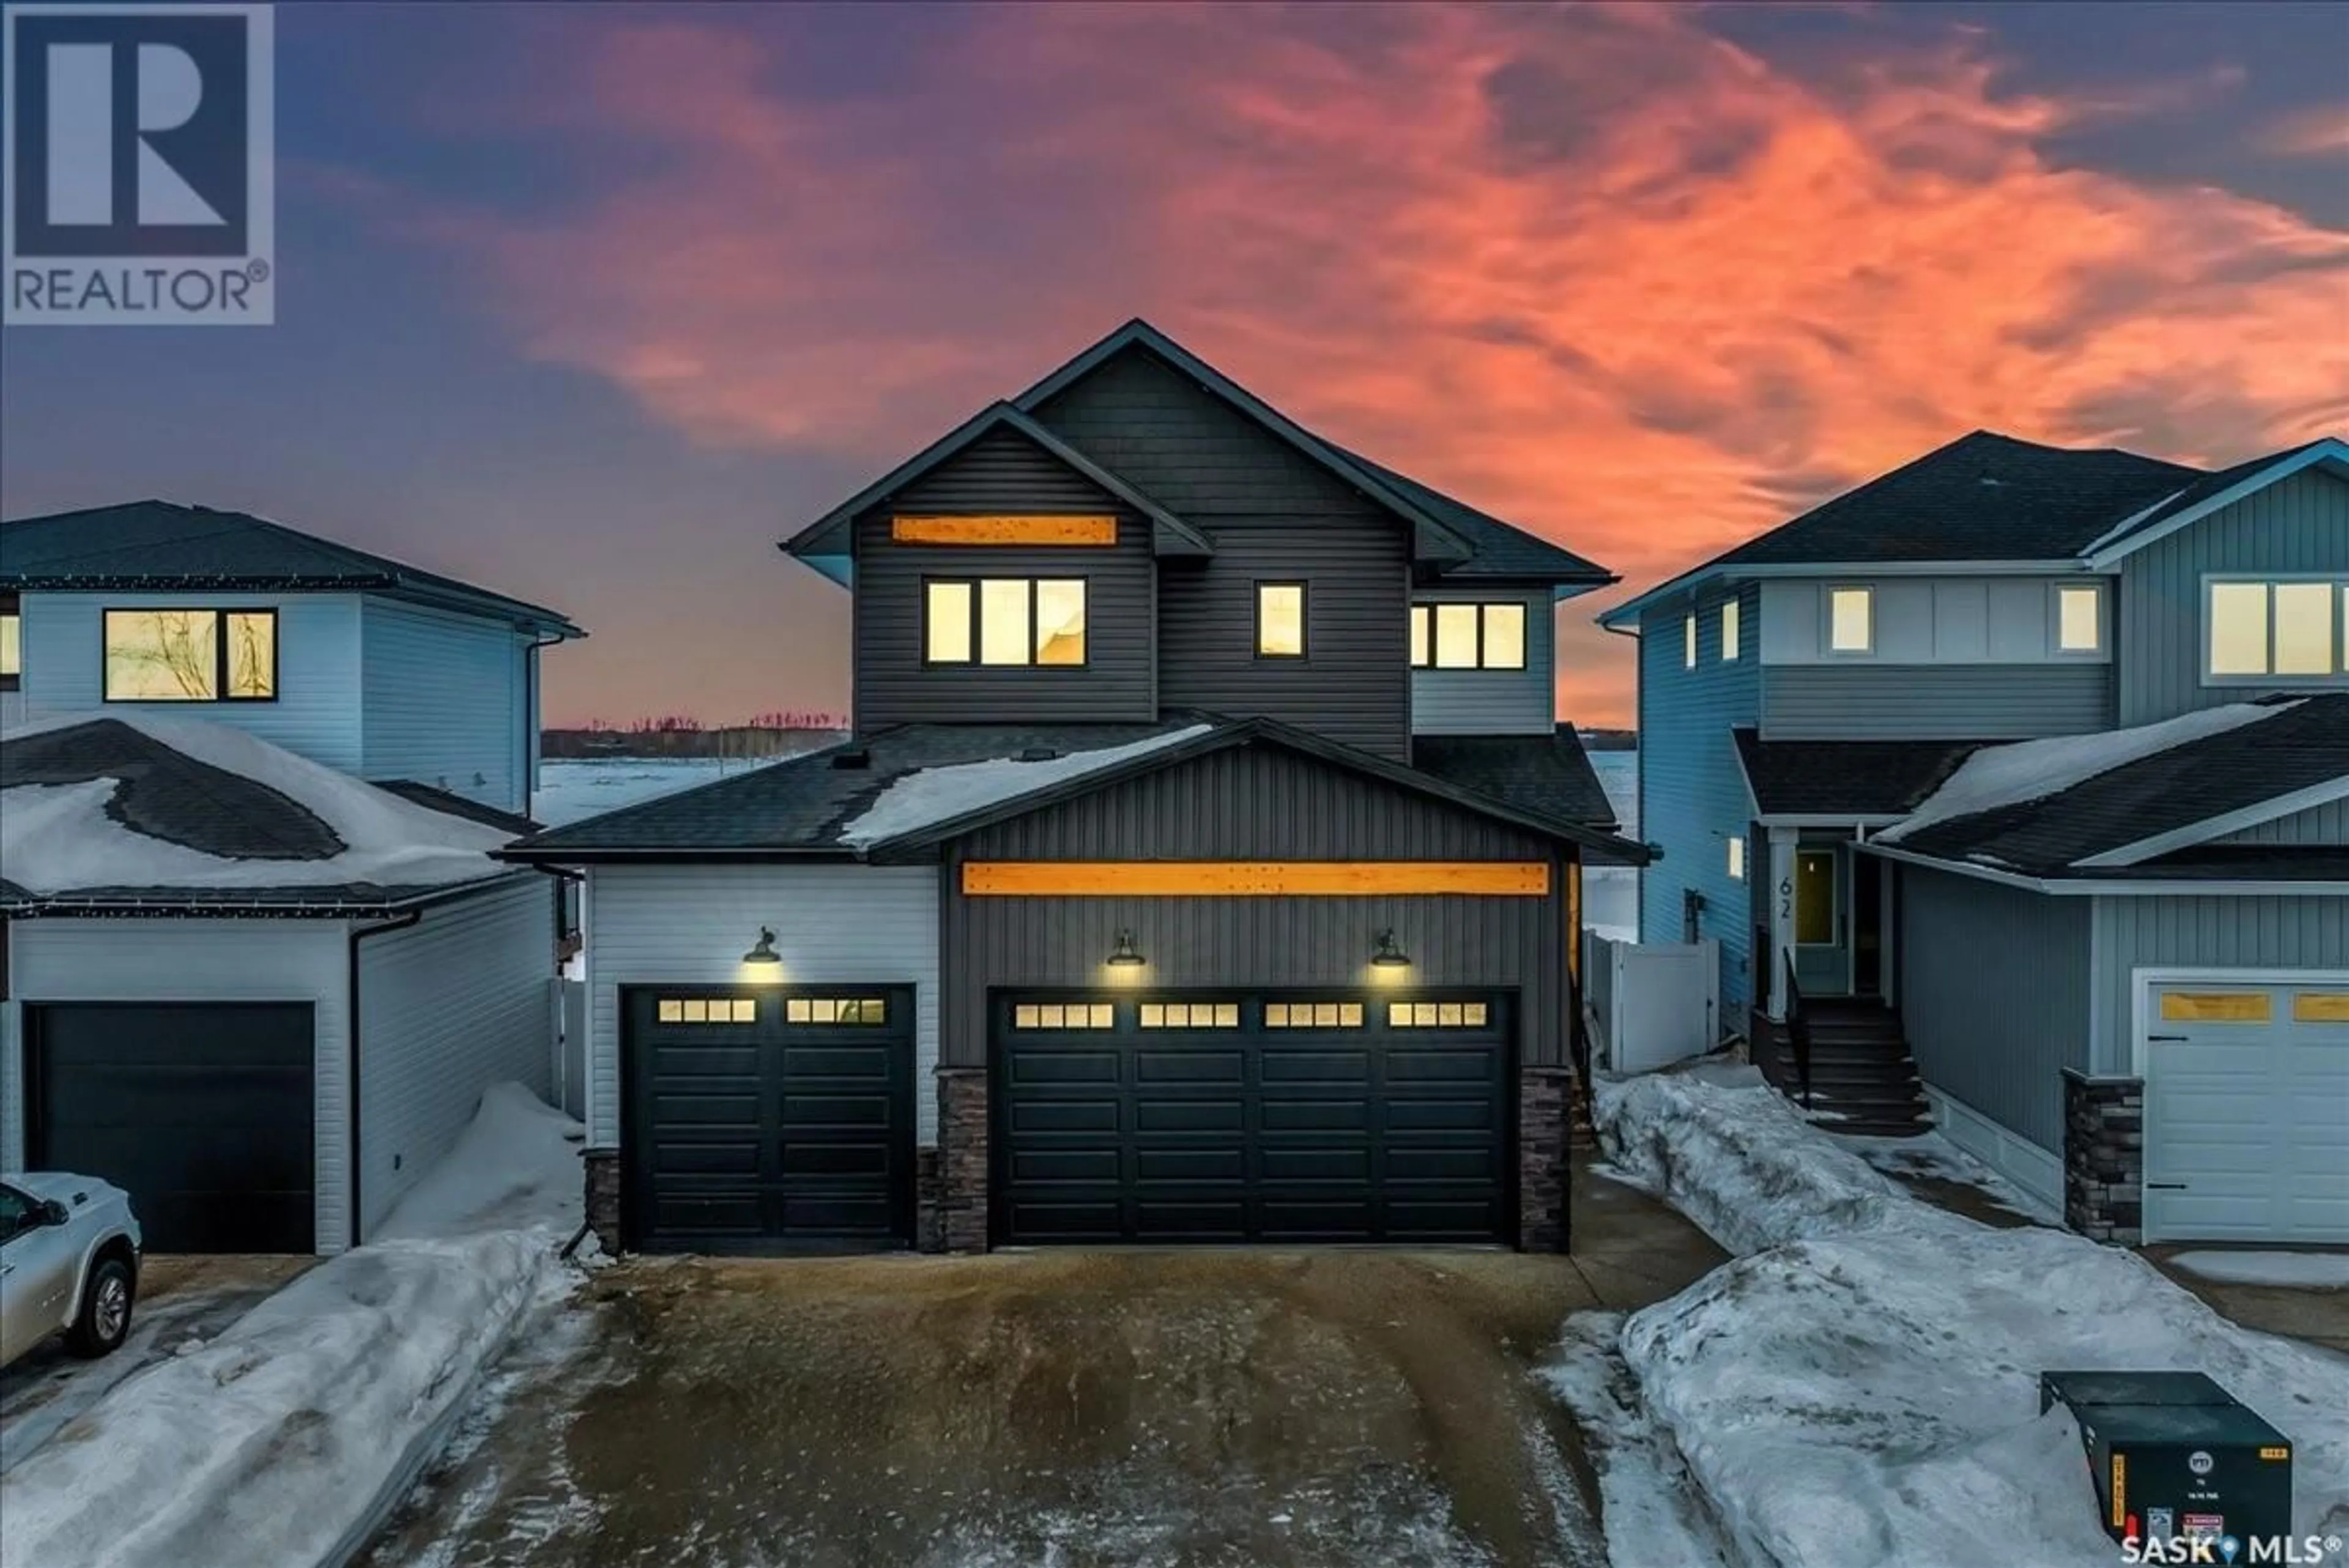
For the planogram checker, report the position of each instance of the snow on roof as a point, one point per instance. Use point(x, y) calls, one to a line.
point(58, 838)
point(933, 795)
point(1999, 776)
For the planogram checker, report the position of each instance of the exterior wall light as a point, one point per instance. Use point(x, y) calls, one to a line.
point(764, 956)
point(1389, 956)
point(1126, 955)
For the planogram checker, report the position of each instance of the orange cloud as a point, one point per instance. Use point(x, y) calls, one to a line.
point(1601, 272)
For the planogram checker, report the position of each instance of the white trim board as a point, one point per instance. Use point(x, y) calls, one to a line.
point(2219, 827)
point(2110, 549)
point(2059, 886)
point(2037, 1172)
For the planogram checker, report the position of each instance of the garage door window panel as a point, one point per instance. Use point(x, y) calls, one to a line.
point(2217, 1006)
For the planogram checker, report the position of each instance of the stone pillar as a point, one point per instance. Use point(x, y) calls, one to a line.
point(926, 1235)
point(603, 1174)
point(962, 1159)
point(2104, 1157)
point(1543, 1222)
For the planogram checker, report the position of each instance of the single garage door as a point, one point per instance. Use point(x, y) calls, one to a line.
point(769, 1118)
point(203, 1112)
point(1253, 1117)
point(2247, 1090)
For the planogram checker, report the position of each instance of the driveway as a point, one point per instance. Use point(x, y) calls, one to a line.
point(180, 1299)
point(1075, 1408)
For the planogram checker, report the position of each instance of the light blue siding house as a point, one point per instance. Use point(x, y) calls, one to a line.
point(2040, 758)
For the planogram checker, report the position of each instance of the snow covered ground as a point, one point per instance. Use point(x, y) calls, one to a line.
point(1859, 1388)
point(573, 791)
point(275, 1444)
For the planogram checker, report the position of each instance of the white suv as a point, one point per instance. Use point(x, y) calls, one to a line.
point(68, 1262)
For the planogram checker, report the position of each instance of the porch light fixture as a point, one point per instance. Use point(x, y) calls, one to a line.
point(1389, 956)
point(1126, 955)
point(764, 956)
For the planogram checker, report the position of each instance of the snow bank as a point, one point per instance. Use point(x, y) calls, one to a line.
point(1861, 1387)
point(939, 795)
point(1998, 776)
point(57, 839)
point(515, 1167)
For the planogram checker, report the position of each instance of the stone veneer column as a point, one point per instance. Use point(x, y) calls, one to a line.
point(961, 1185)
point(2104, 1157)
point(1542, 1175)
point(602, 1167)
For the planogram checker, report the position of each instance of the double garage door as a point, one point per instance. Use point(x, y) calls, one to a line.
point(2246, 1094)
point(203, 1112)
point(1237, 1117)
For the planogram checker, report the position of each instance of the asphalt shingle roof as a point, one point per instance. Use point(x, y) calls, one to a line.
point(164, 547)
point(1542, 776)
point(2306, 743)
point(1501, 549)
point(2202, 489)
point(1837, 778)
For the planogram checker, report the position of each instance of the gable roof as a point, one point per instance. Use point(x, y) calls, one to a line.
point(1502, 549)
point(1546, 775)
point(827, 536)
point(2213, 491)
point(161, 547)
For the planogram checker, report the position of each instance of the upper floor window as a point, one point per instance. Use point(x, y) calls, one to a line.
point(1736, 859)
point(2261, 629)
point(190, 656)
point(1688, 641)
point(2079, 618)
point(1280, 620)
point(1728, 629)
point(12, 643)
point(1468, 637)
point(1851, 620)
point(1004, 620)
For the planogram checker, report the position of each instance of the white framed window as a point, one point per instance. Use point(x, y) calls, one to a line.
point(2293, 630)
point(1468, 637)
point(1004, 621)
point(12, 643)
point(1736, 859)
point(1728, 630)
point(1688, 641)
point(2079, 618)
point(191, 655)
point(1851, 620)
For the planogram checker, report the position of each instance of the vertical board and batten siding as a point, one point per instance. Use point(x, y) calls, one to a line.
point(649, 925)
point(1934, 701)
point(1492, 702)
point(1003, 471)
point(1273, 516)
point(446, 703)
point(196, 960)
point(1995, 985)
point(2327, 824)
point(315, 715)
point(2298, 525)
point(1692, 792)
point(448, 1007)
point(1256, 802)
point(2201, 932)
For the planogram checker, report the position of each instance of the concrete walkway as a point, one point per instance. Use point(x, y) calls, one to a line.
point(2318, 1317)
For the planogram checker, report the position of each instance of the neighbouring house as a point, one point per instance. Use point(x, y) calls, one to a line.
point(1203, 867)
point(372, 668)
point(258, 994)
point(2014, 785)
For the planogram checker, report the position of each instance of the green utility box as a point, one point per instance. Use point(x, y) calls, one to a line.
point(2176, 1456)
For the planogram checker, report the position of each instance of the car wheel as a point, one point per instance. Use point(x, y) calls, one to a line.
point(104, 1320)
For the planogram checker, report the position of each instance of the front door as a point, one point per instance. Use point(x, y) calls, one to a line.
point(1822, 953)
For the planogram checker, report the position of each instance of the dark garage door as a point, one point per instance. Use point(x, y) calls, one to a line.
point(1252, 1117)
point(202, 1111)
point(769, 1118)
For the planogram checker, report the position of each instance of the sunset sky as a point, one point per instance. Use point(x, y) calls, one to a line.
point(591, 305)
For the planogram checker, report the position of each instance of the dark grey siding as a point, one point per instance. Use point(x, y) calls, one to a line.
point(1934, 701)
point(2298, 525)
point(1994, 986)
point(2203, 932)
point(1003, 471)
point(1273, 514)
point(1255, 804)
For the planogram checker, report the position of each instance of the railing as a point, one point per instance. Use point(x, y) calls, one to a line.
point(1798, 1033)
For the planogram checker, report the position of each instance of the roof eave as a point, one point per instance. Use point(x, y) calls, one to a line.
point(2330, 452)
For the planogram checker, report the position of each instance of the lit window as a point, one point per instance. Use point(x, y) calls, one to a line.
point(708, 1010)
point(1851, 619)
point(2303, 628)
point(1312, 1015)
point(1190, 1015)
point(1688, 641)
point(1737, 859)
point(1006, 621)
point(190, 656)
point(2078, 619)
point(2265, 628)
point(2217, 1006)
point(12, 643)
point(1280, 620)
point(1468, 637)
point(1064, 1015)
point(835, 1009)
point(1729, 629)
point(1438, 1016)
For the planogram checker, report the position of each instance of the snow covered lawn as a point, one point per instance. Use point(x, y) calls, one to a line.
point(275, 1444)
point(1860, 1386)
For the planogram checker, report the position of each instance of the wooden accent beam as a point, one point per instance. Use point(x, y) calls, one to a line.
point(907, 528)
point(1252, 878)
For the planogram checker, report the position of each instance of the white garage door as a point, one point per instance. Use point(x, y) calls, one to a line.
point(2247, 1112)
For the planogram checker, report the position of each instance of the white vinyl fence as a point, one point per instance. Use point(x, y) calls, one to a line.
point(1650, 1003)
point(569, 1007)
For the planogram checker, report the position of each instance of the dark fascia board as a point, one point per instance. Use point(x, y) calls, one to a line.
point(1173, 536)
point(166, 905)
point(482, 603)
point(522, 855)
point(1240, 732)
point(1448, 545)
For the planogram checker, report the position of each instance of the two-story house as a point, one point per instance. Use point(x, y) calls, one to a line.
point(254, 990)
point(1204, 865)
point(2033, 762)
